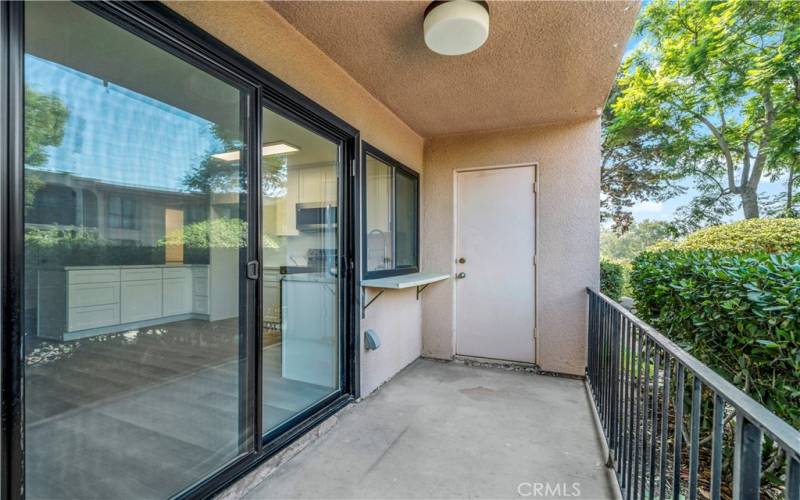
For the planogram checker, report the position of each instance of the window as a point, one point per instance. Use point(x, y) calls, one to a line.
point(391, 216)
point(121, 212)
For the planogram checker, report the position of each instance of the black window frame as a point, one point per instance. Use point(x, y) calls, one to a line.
point(397, 167)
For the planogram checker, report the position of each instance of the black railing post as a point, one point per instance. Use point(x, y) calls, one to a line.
point(664, 428)
point(793, 478)
point(678, 433)
point(694, 451)
point(654, 419)
point(716, 446)
point(746, 460)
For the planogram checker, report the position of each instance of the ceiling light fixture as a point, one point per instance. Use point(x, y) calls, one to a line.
point(270, 149)
point(456, 27)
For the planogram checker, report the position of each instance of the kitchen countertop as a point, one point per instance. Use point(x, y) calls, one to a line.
point(135, 266)
point(317, 277)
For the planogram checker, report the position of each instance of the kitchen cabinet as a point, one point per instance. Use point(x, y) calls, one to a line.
point(285, 216)
point(140, 300)
point(77, 302)
point(177, 292)
point(271, 296)
point(310, 329)
point(200, 290)
point(318, 184)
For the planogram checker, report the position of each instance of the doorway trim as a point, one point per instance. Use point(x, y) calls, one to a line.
point(536, 264)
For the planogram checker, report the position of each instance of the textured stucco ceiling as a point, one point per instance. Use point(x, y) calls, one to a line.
point(544, 61)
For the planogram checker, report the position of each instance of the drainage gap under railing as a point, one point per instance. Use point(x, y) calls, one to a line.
point(675, 428)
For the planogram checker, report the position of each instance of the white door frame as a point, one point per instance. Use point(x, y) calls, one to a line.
point(537, 192)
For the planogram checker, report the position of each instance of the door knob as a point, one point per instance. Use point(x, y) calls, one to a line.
point(462, 260)
point(461, 276)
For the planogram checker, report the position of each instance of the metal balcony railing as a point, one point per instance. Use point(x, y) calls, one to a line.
point(674, 427)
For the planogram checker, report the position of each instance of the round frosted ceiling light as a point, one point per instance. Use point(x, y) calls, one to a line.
point(456, 27)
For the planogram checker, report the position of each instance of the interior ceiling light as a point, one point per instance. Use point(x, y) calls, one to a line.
point(270, 149)
point(456, 27)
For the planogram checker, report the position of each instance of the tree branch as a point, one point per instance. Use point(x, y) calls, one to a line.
point(761, 156)
point(723, 145)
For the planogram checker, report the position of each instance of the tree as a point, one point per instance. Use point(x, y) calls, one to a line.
point(640, 235)
point(45, 119)
point(633, 168)
point(218, 175)
point(710, 85)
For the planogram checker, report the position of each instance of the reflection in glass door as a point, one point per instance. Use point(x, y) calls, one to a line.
point(134, 229)
point(301, 280)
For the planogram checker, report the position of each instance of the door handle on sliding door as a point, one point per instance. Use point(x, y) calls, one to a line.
point(252, 270)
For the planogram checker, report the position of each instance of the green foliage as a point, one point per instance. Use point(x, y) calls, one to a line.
point(56, 247)
point(747, 236)
point(754, 235)
point(214, 175)
point(631, 170)
point(45, 118)
point(612, 279)
point(640, 235)
point(739, 314)
point(713, 91)
point(214, 233)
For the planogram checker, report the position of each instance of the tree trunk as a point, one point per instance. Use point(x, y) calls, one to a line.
point(750, 202)
point(789, 194)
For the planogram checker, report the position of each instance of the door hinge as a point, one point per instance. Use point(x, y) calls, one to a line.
point(536, 187)
point(353, 168)
point(535, 260)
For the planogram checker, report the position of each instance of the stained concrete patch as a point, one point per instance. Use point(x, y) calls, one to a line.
point(478, 393)
point(446, 430)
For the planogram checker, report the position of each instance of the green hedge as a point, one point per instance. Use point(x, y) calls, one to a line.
point(739, 314)
point(612, 279)
point(746, 236)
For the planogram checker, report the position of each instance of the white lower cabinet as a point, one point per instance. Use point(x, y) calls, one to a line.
point(177, 296)
point(310, 331)
point(82, 318)
point(177, 291)
point(141, 300)
point(100, 298)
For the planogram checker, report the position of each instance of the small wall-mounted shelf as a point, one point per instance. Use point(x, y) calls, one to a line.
point(418, 280)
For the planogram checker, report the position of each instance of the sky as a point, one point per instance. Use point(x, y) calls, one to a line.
point(118, 136)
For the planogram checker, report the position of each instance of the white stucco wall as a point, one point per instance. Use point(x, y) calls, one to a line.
point(396, 316)
point(568, 218)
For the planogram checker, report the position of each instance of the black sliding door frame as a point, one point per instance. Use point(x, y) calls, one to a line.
point(12, 439)
point(167, 30)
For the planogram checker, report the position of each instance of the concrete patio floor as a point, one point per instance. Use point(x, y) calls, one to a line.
point(449, 430)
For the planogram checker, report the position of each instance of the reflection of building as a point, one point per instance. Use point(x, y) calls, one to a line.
point(124, 215)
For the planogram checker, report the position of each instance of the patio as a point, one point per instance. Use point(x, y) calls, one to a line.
point(447, 430)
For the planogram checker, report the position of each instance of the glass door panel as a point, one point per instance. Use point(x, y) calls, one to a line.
point(135, 230)
point(301, 282)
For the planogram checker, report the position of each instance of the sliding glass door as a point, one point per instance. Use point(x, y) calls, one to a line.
point(186, 229)
point(301, 286)
point(136, 381)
